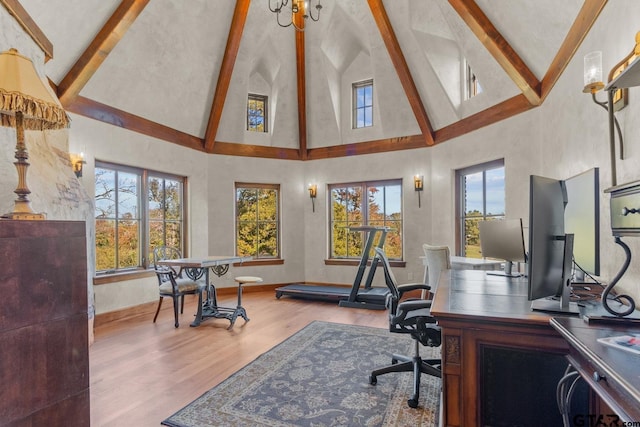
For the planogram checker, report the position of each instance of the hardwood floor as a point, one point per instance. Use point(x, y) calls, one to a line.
point(142, 372)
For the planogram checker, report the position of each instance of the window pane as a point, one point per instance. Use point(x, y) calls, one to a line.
point(383, 207)
point(267, 206)
point(105, 196)
point(268, 240)
point(473, 199)
point(339, 239)
point(105, 244)
point(393, 202)
point(482, 197)
point(368, 116)
point(495, 192)
point(128, 244)
point(354, 205)
point(393, 243)
point(257, 221)
point(472, 238)
point(174, 234)
point(360, 118)
point(156, 195)
point(246, 240)
point(256, 113)
point(127, 195)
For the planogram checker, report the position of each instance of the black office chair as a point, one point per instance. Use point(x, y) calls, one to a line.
point(171, 282)
point(410, 316)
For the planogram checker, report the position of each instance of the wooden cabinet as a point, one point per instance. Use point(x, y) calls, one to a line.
point(44, 358)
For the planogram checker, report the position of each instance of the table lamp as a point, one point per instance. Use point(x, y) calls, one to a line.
point(25, 103)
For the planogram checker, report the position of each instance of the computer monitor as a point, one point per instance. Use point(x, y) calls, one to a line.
point(503, 239)
point(582, 219)
point(550, 249)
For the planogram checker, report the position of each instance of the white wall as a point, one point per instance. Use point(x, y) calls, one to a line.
point(564, 136)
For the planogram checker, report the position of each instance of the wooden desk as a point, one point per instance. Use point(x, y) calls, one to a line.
point(464, 263)
point(618, 372)
point(501, 362)
point(196, 268)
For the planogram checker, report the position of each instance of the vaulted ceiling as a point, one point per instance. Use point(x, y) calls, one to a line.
point(181, 70)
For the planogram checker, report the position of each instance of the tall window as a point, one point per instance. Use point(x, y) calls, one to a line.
point(136, 210)
point(363, 104)
point(473, 85)
point(375, 203)
point(258, 220)
point(257, 113)
point(480, 196)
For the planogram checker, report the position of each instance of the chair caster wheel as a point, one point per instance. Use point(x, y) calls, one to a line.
point(394, 361)
point(413, 403)
point(373, 380)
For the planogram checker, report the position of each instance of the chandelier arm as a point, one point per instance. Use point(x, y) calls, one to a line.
point(284, 26)
point(277, 8)
point(318, 9)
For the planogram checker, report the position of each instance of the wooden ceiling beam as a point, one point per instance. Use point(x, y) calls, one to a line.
point(247, 150)
point(402, 69)
point(584, 21)
point(499, 48)
point(29, 25)
point(301, 84)
point(224, 77)
point(99, 48)
point(509, 108)
point(106, 114)
point(369, 147)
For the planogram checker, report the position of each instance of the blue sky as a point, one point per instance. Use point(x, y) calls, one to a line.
point(495, 191)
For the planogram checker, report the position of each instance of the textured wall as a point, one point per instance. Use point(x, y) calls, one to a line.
point(55, 190)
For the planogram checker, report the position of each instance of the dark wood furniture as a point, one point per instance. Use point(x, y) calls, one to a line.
point(501, 362)
point(613, 374)
point(44, 367)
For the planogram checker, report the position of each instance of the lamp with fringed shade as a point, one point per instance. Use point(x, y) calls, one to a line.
point(25, 104)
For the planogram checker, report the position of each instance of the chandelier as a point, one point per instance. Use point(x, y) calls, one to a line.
point(296, 7)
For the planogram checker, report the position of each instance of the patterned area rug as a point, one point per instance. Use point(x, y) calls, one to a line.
point(320, 377)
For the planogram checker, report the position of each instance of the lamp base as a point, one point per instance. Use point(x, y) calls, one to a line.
point(22, 211)
point(24, 216)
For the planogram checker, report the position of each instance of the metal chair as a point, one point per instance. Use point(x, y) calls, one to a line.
point(409, 316)
point(172, 284)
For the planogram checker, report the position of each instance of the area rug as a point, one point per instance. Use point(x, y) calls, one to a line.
point(320, 377)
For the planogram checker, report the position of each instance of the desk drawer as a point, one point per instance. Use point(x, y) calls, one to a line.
point(625, 211)
point(606, 387)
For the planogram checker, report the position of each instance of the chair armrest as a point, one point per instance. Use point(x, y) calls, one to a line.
point(414, 304)
point(407, 287)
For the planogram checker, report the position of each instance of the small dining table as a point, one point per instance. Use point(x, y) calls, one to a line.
point(197, 267)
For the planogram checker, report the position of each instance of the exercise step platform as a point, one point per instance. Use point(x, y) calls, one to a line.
point(372, 298)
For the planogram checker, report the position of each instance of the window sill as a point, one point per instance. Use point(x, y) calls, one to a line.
point(259, 262)
point(396, 263)
point(121, 277)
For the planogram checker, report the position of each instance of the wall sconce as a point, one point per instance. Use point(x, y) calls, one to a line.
point(616, 97)
point(418, 185)
point(313, 193)
point(77, 162)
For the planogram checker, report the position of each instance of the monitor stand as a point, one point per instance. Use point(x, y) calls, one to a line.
point(508, 271)
point(560, 304)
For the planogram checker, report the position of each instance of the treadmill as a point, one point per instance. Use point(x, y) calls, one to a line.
point(369, 297)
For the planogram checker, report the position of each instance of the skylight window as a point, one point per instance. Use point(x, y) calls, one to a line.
point(473, 85)
point(257, 113)
point(363, 104)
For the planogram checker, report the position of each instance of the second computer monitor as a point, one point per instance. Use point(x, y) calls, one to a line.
point(503, 239)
